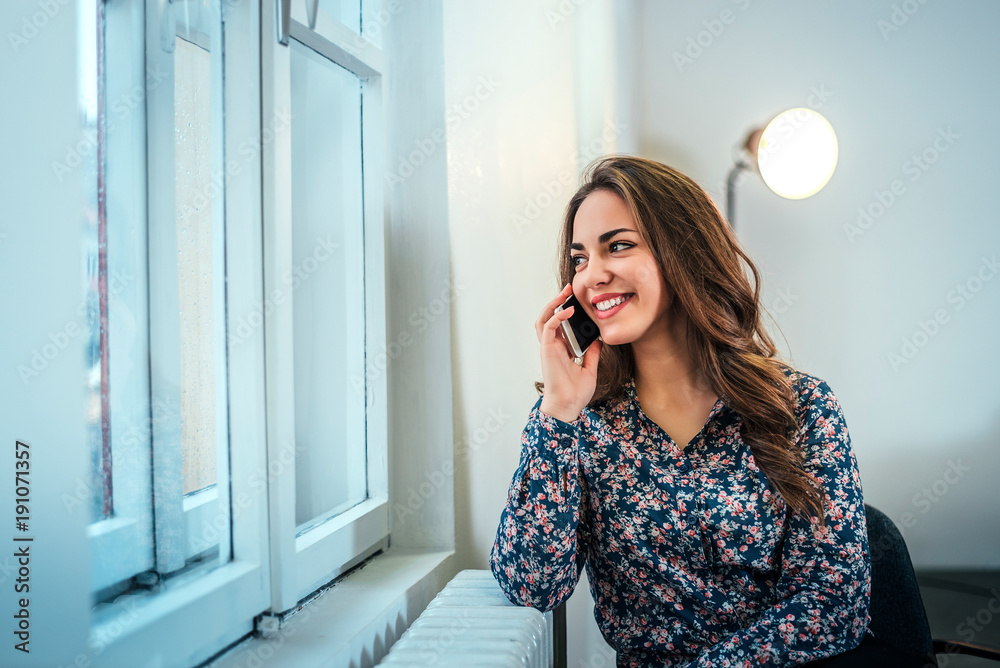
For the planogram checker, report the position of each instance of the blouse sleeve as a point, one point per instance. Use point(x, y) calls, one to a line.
point(535, 556)
point(823, 591)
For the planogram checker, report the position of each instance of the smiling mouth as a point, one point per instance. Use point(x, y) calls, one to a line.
point(614, 309)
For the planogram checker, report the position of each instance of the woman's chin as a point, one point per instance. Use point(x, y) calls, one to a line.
point(619, 336)
point(611, 339)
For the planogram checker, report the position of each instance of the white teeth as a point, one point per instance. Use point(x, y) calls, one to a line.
point(611, 303)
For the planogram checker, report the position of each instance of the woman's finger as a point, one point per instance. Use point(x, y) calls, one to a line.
point(592, 355)
point(563, 293)
point(558, 317)
point(550, 309)
point(559, 299)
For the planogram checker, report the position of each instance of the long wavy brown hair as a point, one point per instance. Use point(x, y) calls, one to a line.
point(701, 260)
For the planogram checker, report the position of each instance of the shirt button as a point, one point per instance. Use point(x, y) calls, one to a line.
point(683, 467)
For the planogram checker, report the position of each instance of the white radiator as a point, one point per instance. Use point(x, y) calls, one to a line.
point(471, 623)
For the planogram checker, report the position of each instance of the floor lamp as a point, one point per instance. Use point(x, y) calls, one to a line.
point(795, 154)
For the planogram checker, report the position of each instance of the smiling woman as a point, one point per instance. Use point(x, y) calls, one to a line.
point(619, 252)
point(693, 330)
point(710, 489)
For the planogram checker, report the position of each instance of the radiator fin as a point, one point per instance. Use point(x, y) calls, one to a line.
point(471, 623)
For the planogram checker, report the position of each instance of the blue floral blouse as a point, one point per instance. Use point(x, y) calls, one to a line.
point(691, 556)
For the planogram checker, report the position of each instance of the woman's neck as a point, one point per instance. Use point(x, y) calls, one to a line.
point(665, 369)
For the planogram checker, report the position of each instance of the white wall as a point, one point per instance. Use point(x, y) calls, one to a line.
point(503, 147)
point(530, 91)
point(417, 358)
point(846, 298)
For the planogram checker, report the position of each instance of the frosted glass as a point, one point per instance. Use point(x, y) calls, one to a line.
point(195, 271)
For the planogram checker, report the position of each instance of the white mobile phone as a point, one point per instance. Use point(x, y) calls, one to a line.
point(579, 329)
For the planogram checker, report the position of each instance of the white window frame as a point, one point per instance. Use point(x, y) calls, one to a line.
point(303, 563)
point(198, 613)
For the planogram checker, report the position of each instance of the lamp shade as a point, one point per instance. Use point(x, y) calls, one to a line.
point(795, 153)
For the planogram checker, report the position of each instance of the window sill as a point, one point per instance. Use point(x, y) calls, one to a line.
point(358, 620)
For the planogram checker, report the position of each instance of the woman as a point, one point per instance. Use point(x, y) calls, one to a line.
point(710, 490)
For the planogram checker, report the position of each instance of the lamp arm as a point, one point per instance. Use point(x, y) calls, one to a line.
point(739, 167)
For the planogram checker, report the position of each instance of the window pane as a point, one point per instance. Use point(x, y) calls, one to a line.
point(95, 305)
point(157, 391)
point(117, 306)
point(195, 271)
point(347, 12)
point(327, 286)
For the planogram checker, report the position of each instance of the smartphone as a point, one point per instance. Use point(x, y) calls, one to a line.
point(580, 331)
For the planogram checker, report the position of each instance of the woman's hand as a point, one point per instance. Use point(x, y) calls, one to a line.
point(569, 387)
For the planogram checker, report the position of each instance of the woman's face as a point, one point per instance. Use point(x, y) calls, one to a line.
point(611, 261)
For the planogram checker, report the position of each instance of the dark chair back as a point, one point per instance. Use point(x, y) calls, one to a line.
point(897, 611)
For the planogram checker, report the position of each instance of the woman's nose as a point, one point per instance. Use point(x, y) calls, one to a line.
point(595, 273)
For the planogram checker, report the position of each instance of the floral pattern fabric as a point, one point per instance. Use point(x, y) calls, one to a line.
point(691, 557)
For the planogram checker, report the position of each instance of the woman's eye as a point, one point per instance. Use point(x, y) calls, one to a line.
point(625, 246)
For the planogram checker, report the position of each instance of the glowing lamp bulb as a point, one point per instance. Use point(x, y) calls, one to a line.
point(797, 153)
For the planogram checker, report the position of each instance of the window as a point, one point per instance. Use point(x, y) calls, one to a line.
point(230, 478)
point(162, 444)
point(324, 238)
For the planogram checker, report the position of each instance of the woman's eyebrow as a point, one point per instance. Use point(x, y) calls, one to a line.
point(603, 238)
